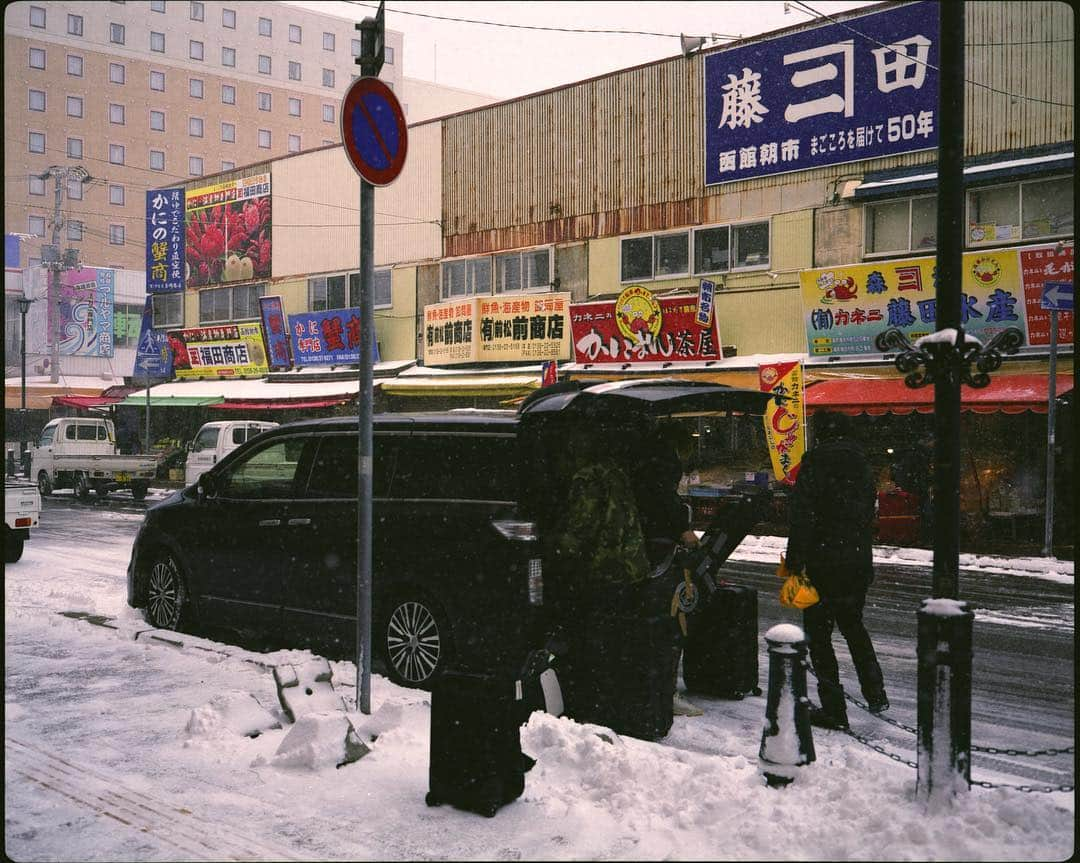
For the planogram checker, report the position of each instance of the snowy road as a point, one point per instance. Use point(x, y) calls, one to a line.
point(118, 746)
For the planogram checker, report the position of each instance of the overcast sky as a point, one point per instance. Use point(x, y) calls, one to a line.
point(506, 62)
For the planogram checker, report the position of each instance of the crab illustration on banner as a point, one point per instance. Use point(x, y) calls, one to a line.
point(785, 417)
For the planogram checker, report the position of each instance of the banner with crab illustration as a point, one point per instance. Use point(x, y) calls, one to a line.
point(228, 232)
point(845, 307)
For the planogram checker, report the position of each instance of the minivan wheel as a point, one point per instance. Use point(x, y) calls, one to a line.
point(416, 641)
point(44, 484)
point(166, 594)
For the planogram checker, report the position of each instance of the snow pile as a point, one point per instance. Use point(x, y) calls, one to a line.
point(229, 713)
point(318, 740)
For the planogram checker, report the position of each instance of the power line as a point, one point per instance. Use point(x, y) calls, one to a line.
point(804, 8)
point(535, 26)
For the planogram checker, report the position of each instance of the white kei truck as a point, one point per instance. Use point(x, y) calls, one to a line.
point(22, 506)
point(215, 440)
point(80, 453)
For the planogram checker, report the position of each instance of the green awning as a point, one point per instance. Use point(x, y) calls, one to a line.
point(138, 400)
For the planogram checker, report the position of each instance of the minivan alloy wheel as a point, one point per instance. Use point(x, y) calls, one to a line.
point(413, 642)
point(165, 594)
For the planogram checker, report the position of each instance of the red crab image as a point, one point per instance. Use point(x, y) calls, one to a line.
point(844, 290)
point(229, 242)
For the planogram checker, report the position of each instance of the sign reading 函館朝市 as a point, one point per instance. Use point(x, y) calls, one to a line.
point(846, 307)
point(639, 327)
point(847, 91)
point(228, 350)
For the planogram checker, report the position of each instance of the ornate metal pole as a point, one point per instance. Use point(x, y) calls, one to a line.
point(945, 624)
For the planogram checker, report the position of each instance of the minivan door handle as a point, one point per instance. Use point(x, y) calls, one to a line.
point(299, 521)
point(270, 522)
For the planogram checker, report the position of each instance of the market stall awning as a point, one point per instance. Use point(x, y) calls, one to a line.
point(40, 391)
point(502, 386)
point(135, 400)
point(111, 396)
point(296, 404)
point(1010, 394)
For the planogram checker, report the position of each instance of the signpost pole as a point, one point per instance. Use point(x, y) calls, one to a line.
point(1048, 542)
point(370, 61)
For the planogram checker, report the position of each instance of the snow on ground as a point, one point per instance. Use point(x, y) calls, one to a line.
point(120, 746)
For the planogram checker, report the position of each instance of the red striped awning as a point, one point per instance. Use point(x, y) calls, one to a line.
point(298, 404)
point(1010, 394)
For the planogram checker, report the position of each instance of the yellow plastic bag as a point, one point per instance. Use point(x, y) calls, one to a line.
point(796, 591)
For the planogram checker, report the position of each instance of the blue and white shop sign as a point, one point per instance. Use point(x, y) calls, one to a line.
point(859, 89)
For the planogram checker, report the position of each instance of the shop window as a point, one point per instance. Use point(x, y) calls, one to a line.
point(712, 250)
point(328, 292)
point(655, 257)
point(168, 310)
point(1047, 208)
point(751, 245)
point(523, 271)
point(235, 303)
point(906, 225)
point(466, 278)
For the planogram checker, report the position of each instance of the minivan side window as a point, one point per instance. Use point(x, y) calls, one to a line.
point(266, 474)
point(333, 471)
point(47, 435)
point(456, 467)
point(206, 439)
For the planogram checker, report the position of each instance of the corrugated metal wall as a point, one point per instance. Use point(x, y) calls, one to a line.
point(623, 153)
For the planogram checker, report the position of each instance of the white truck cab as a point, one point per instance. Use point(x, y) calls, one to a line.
point(216, 440)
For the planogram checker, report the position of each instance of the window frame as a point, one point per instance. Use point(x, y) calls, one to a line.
point(78, 58)
point(117, 29)
point(117, 235)
point(521, 255)
point(150, 161)
point(329, 119)
point(226, 15)
point(299, 31)
point(196, 6)
point(259, 101)
point(160, 73)
point(35, 51)
point(269, 139)
point(117, 110)
point(30, 135)
point(192, 160)
point(34, 17)
point(1019, 185)
point(269, 22)
point(333, 41)
point(269, 64)
point(230, 291)
point(74, 189)
point(225, 49)
point(231, 89)
point(33, 219)
point(121, 79)
point(328, 78)
point(191, 86)
point(196, 123)
point(295, 65)
point(910, 249)
point(123, 154)
point(75, 230)
point(30, 94)
point(299, 106)
point(34, 182)
point(160, 40)
point(116, 187)
point(75, 25)
point(232, 131)
point(470, 265)
point(167, 310)
point(191, 50)
point(289, 147)
point(160, 114)
point(157, 6)
point(70, 153)
point(74, 100)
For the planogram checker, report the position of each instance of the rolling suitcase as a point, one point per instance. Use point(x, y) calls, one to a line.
point(720, 652)
point(476, 762)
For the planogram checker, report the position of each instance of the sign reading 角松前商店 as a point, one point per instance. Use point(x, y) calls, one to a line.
point(861, 88)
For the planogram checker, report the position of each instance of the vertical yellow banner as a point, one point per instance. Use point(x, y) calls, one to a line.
point(785, 417)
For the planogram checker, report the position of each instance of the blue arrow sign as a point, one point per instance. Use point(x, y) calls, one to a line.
point(1057, 296)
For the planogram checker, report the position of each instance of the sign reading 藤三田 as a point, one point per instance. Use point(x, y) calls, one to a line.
point(858, 89)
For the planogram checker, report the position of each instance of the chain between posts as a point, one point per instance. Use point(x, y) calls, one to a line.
point(989, 750)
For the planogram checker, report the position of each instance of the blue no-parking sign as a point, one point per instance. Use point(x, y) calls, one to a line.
point(373, 131)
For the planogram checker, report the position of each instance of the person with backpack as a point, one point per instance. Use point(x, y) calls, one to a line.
point(831, 537)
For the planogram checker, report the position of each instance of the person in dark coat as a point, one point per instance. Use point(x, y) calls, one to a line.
point(831, 537)
point(665, 518)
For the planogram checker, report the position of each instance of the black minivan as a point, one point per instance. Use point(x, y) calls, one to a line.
point(266, 540)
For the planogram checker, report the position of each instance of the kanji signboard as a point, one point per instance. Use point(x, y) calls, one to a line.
point(327, 338)
point(276, 332)
point(858, 89)
point(638, 327)
point(229, 350)
point(85, 307)
point(165, 240)
point(1039, 265)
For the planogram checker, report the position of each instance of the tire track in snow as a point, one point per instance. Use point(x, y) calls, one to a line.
point(108, 797)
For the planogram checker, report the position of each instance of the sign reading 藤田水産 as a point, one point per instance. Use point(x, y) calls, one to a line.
point(861, 88)
point(165, 236)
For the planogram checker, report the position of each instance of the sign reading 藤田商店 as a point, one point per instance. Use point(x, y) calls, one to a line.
point(861, 88)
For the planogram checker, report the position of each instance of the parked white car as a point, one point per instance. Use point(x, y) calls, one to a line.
point(215, 440)
point(22, 505)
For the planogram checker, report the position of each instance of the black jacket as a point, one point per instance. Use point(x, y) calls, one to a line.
point(831, 516)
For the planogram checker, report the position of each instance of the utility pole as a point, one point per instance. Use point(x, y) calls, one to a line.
point(52, 259)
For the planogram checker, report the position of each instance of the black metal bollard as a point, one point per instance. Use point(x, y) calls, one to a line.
point(944, 653)
point(787, 742)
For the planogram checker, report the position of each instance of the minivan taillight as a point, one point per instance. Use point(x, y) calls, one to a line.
point(536, 582)
point(520, 531)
